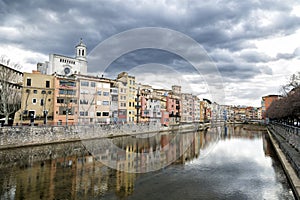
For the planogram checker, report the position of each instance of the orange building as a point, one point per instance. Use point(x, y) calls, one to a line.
point(266, 102)
point(65, 100)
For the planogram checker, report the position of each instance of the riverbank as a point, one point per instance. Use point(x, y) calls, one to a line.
point(289, 170)
point(22, 136)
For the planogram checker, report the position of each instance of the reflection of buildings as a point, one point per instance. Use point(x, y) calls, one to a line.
point(73, 173)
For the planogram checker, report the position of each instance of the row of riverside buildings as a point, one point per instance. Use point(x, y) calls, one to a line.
point(60, 92)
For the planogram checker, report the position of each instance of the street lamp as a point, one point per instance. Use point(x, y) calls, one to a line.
point(138, 105)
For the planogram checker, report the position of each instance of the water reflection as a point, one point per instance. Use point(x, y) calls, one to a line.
point(78, 170)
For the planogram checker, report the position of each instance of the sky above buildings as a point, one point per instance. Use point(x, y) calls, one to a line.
point(253, 46)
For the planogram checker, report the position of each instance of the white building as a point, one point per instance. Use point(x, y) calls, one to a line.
point(64, 65)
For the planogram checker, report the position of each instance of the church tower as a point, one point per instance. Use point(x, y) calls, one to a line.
point(81, 51)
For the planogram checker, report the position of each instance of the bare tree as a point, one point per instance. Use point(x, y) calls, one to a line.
point(86, 102)
point(294, 82)
point(10, 93)
point(287, 109)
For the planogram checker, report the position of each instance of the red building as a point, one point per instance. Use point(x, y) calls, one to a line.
point(266, 102)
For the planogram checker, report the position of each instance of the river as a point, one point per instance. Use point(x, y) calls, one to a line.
point(234, 162)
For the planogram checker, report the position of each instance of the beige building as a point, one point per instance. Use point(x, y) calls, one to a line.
point(130, 87)
point(94, 99)
point(37, 99)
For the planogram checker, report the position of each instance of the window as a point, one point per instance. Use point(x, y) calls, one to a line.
point(123, 104)
point(129, 104)
point(73, 101)
point(34, 101)
point(42, 102)
point(67, 92)
point(99, 93)
point(84, 83)
point(84, 101)
point(98, 114)
point(47, 84)
point(114, 91)
point(105, 114)
point(31, 113)
point(105, 93)
point(84, 92)
point(114, 98)
point(93, 84)
point(60, 100)
point(34, 91)
point(66, 83)
point(105, 103)
point(28, 82)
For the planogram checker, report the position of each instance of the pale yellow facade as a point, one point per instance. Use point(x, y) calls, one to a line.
point(37, 100)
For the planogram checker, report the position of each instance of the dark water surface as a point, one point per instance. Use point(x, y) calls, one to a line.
point(220, 163)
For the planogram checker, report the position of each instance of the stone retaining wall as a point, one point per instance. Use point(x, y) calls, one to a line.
point(289, 142)
point(26, 135)
point(19, 136)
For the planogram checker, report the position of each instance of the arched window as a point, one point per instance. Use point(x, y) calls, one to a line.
point(82, 52)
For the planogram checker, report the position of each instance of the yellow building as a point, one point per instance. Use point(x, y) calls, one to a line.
point(129, 82)
point(37, 99)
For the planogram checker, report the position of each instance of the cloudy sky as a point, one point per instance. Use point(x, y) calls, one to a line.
point(253, 46)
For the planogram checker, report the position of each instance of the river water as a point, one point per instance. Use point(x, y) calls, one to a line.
point(219, 163)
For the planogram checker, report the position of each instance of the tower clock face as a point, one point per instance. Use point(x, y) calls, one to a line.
point(67, 70)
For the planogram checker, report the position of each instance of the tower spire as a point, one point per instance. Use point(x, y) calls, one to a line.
point(81, 50)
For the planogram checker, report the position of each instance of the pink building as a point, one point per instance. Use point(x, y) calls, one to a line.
point(164, 118)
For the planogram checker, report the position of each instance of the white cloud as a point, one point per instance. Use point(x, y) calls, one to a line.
point(27, 59)
point(279, 44)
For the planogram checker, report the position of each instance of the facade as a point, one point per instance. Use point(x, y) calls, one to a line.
point(122, 101)
point(37, 100)
point(94, 99)
point(187, 113)
point(129, 92)
point(65, 100)
point(64, 65)
point(10, 92)
point(146, 93)
point(205, 110)
point(196, 108)
point(114, 101)
point(266, 102)
point(155, 110)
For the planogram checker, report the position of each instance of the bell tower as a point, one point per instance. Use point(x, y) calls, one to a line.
point(80, 51)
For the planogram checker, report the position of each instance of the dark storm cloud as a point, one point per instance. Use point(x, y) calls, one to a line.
point(255, 57)
point(54, 25)
point(226, 29)
point(238, 71)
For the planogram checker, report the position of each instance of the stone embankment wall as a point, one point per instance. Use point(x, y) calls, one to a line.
point(288, 138)
point(19, 136)
point(26, 135)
